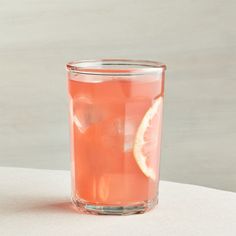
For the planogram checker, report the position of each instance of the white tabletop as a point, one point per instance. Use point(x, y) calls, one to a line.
point(37, 202)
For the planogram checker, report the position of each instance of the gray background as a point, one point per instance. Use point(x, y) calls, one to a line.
point(196, 39)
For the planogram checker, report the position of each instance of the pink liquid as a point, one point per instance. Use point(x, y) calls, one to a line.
point(105, 116)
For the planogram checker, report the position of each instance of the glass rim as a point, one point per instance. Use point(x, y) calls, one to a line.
point(115, 67)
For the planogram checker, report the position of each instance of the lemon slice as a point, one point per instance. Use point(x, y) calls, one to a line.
point(146, 139)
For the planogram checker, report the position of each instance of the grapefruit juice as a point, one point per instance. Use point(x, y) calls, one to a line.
point(115, 121)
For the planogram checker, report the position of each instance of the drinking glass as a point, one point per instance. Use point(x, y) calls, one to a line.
point(115, 124)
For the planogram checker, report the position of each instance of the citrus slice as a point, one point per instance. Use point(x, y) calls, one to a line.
point(146, 140)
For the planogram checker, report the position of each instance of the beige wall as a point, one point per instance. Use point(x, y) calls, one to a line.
point(196, 39)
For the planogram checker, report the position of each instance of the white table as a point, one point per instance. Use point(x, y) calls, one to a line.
point(37, 202)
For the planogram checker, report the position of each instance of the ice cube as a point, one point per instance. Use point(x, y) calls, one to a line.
point(134, 112)
point(112, 133)
point(130, 128)
point(86, 113)
point(121, 129)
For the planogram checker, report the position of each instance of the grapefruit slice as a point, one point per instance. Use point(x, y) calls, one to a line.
point(146, 140)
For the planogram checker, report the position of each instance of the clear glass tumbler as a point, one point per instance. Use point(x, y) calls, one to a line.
point(116, 121)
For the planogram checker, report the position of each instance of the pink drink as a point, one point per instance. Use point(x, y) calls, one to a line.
point(116, 117)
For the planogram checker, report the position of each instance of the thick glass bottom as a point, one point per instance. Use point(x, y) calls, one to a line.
point(95, 209)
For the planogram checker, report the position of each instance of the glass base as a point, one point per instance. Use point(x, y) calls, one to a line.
point(138, 208)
